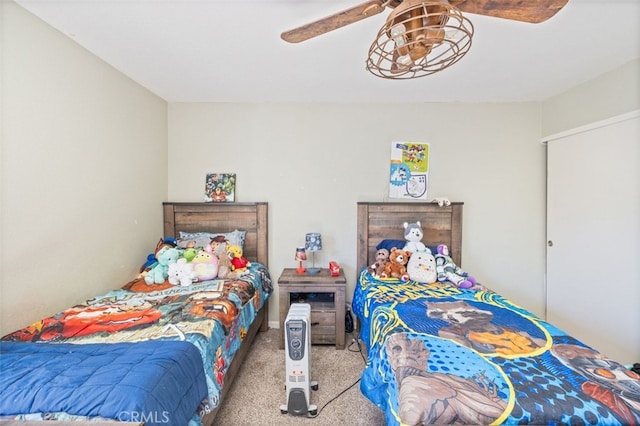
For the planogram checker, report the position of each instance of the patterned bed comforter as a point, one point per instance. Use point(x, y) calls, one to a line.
point(438, 354)
point(212, 315)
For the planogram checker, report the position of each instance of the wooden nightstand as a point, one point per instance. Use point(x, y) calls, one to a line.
point(326, 296)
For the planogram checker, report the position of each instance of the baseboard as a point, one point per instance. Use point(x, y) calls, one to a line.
point(274, 324)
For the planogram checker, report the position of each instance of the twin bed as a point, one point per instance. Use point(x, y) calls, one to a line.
point(438, 354)
point(146, 354)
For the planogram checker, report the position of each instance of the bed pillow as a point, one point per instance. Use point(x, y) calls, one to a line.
point(389, 244)
point(201, 239)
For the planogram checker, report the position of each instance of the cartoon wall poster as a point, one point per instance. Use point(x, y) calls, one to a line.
point(409, 170)
point(220, 187)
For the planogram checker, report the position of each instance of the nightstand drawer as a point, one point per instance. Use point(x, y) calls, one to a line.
point(325, 293)
point(323, 326)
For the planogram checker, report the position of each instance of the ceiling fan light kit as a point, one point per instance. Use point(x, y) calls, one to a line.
point(422, 37)
point(419, 38)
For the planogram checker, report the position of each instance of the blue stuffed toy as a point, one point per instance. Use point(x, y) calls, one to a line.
point(166, 253)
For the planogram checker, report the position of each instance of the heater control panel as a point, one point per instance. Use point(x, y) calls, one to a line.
point(296, 332)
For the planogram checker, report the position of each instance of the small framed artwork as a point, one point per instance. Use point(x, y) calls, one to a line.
point(220, 187)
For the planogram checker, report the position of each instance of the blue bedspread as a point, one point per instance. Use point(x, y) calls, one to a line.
point(156, 382)
point(438, 354)
point(213, 316)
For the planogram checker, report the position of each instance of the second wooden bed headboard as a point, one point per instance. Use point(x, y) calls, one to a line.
point(379, 221)
point(222, 217)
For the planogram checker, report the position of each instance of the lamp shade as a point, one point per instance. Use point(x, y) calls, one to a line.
point(313, 241)
point(301, 254)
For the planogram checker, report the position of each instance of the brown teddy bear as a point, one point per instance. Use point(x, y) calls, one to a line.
point(382, 258)
point(397, 265)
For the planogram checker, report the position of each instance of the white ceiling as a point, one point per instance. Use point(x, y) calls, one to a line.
point(231, 51)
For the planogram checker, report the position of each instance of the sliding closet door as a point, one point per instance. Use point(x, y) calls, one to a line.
point(593, 233)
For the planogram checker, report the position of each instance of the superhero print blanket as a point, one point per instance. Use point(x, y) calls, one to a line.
point(438, 354)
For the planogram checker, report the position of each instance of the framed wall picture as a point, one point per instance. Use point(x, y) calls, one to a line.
point(220, 187)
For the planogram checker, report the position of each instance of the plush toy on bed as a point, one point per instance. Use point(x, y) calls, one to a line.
point(239, 263)
point(151, 257)
point(413, 235)
point(382, 258)
point(165, 255)
point(396, 267)
point(189, 253)
point(449, 271)
point(181, 272)
point(422, 267)
point(205, 264)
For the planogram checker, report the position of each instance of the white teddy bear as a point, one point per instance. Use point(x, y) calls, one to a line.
point(181, 273)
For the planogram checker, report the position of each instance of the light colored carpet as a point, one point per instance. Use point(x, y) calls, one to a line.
point(259, 389)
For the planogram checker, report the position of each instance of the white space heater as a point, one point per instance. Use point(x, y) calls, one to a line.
point(297, 348)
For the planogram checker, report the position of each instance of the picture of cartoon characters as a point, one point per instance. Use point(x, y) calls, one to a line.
point(437, 398)
point(609, 382)
point(84, 320)
point(472, 327)
point(220, 187)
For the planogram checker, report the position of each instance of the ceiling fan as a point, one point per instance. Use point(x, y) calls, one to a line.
point(421, 37)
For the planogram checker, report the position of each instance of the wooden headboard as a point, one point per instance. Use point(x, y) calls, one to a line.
point(379, 221)
point(222, 217)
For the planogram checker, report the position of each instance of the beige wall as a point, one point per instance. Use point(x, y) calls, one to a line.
point(612, 94)
point(314, 162)
point(84, 171)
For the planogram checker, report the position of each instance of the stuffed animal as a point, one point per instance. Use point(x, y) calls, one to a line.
point(224, 266)
point(449, 271)
point(382, 258)
point(190, 252)
point(159, 273)
point(205, 264)
point(442, 201)
point(239, 263)
point(422, 267)
point(413, 234)
point(181, 272)
point(396, 267)
point(151, 257)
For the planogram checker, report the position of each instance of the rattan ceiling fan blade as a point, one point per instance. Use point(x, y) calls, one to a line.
point(335, 21)
point(533, 11)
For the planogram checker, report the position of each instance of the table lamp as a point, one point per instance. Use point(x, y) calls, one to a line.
point(313, 243)
point(300, 256)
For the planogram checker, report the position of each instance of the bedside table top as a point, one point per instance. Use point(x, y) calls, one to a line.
point(289, 275)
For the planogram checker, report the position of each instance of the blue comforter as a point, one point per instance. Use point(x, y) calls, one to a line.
point(438, 354)
point(155, 382)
